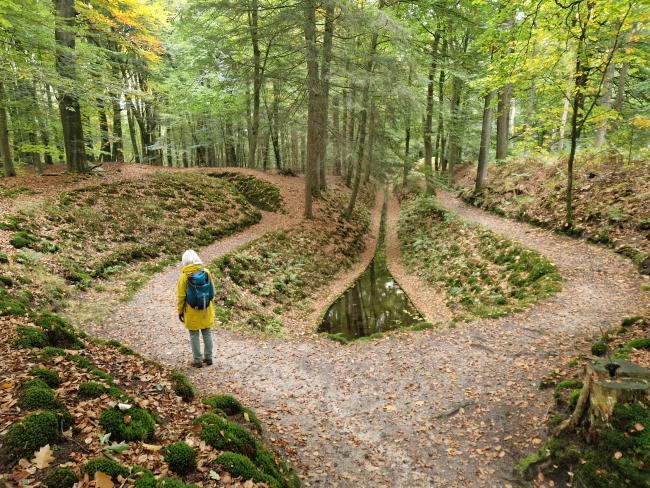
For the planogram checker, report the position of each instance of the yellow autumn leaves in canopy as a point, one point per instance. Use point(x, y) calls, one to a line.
point(131, 24)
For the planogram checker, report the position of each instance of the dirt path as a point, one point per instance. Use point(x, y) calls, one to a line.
point(452, 407)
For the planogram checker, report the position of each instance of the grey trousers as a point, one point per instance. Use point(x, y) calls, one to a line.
point(196, 344)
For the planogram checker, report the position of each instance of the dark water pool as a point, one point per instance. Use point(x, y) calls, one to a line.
point(375, 303)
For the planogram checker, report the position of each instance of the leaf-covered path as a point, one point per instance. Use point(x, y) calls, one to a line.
point(448, 407)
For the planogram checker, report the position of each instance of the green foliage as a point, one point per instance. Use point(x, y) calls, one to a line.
point(32, 433)
point(139, 428)
point(485, 275)
point(174, 483)
point(30, 337)
point(4, 258)
point(226, 435)
point(630, 321)
point(599, 347)
point(61, 478)
point(227, 403)
point(258, 192)
point(422, 326)
point(241, 466)
point(180, 457)
point(38, 398)
point(182, 386)
point(91, 389)
point(10, 305)
point(47, 375)
point(106, 466)
point(338, 337)
point(22, 239)
point(50, 352)
point(34, 383)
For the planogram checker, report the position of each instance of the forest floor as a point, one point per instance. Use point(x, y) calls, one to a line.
point(442, 407)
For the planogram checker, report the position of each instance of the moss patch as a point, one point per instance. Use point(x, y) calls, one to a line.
point(135, 424)
point(32, 433)
point(180, 457)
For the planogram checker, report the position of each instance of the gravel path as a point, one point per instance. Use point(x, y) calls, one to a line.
point(447, 407)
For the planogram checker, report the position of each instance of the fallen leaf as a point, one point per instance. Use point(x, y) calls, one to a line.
point(618, 455)
point(247, 417)
point(151, 447)
point(639, 427)
point(127, 419)
point(102, 480)
point(43, 457)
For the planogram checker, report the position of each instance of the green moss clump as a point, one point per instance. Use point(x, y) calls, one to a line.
point(22, 238)
point(599, 348)
point(38, 398)
point(91, 389)
point(140, 427)
point(50, 377)
point(106, 466)
point(226, 435)
point(34, 383)
point(422, 326)
point(338, 337)
point(182, 386)
point(173, 483)
point(10, 305)
point(30, 337)
point(242, 467)
point(180, 457)
point(253, 420)
point(643, 343)
point(61, 478)
point(3, 258)
point(629, 321)
point(50, 352)
point(35, 431)
point(227, 403)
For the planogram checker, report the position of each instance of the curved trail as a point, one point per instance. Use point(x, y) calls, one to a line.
point(447, 407)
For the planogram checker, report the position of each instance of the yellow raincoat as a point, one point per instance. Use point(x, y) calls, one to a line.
point(194, 319)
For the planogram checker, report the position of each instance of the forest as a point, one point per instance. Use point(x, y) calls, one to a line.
point(427, 226)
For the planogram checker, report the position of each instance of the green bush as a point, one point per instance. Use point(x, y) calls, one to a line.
point(35, 431)
point(106, 466)
point(180, 457)
point(91, 389)
point(599, 348)
point(140, 427)
point(47, 375)
point(227, 403)
point(61, 478)
point(182, 386)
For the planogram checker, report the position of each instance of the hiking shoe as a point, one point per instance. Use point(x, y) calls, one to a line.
point(197, 364)
point(208, 362)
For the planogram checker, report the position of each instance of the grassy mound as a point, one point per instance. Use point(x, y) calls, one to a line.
point(283, 268)
point(611, 199)
point(485, 275)
point(258, 192)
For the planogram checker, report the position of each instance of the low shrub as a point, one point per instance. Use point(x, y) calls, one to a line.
point(33, 432)
point(106, 466)
point(61, 478)
point(91, 389)
point(180, 457)
point(182, 386)
point(47, 375)
point(140, 424)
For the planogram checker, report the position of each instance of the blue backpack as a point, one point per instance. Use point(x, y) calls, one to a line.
point(199, 290)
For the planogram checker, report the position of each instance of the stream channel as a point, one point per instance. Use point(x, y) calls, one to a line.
point(374, 303)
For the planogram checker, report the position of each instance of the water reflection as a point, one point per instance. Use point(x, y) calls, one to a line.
point(375, 303)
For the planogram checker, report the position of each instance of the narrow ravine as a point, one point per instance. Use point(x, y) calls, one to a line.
point(447, 407)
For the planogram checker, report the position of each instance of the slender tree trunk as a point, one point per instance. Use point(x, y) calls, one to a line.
point(5, 148)
point(486, 136)
point(503, 121)
point(257, 80)
point(47, 126)
point(605, 104)
point(68, 102)
point(428, 119)
point(350, 141)
point(118, 145)
point(275, 130)
point(132, 134)
point(337, 136)
point(325, 81)
point(441, 98)
point(105, 151)
point(313, 103)
point(371, 141)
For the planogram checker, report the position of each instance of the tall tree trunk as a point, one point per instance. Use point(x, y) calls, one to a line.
point(350, 140)
point(132, 134)
point(313, 104)
point(454, 129)
point(69, 108)
point(372, 132)
point(428, 119)
point(336, 126)
point(486, 136)
point(105, 145)
point(5, 148)
point(503, 121)
point(275, 131)
point(441, 98)
point(118, 146)
point(325, 81)
point(47, 125)
point(606, 104)
point(253, 15)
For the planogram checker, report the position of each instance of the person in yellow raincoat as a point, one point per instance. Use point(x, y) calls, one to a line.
point(198, 321)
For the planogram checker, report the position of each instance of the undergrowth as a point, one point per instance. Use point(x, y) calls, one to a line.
point(484, 274)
